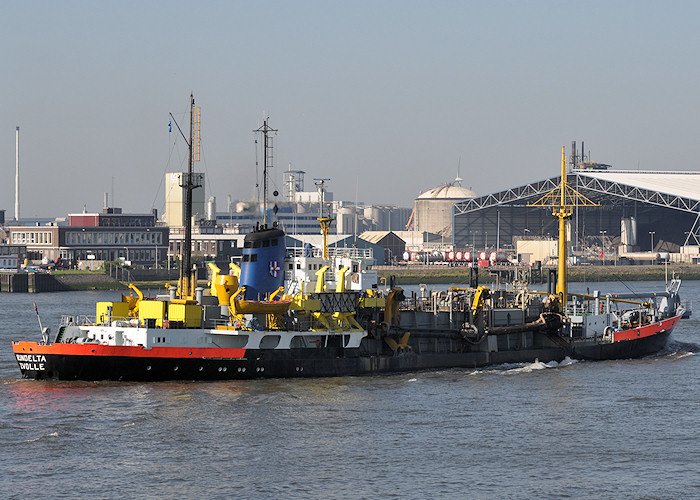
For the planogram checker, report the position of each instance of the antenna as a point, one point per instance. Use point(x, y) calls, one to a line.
point(459, 179)
point(17, 173)
point(354, 222)
point(267, 160)
point(321, 186)
point(324, 221)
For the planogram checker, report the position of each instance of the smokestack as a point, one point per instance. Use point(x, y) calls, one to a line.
point(583, 152)
point(106, 200)
point(17, 173)
point(573, 154)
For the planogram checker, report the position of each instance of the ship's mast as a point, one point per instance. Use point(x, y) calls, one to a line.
point(563, 212)
point(188, 184)
point(325, 221)
point(562, 201)
point(267, 160)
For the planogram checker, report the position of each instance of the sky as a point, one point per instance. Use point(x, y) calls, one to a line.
point(384, 98)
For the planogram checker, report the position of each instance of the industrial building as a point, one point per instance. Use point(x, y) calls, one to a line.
point(218, 235)
point(297, 212)
point(393, 245)
point(105, 236)
point(175, 197)
point(638, 211)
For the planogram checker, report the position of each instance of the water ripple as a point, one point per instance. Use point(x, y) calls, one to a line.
point(619, 429)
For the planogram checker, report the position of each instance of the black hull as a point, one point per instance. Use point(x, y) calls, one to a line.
point(271, 364)
point(626, 349)
point(324, 362)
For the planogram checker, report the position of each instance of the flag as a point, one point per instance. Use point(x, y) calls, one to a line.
point(36, 309)
point(170, 126)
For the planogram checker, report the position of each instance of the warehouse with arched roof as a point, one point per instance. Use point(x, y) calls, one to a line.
point(660, 210)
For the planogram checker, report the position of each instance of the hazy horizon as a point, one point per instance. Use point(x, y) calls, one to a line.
point(384, 98)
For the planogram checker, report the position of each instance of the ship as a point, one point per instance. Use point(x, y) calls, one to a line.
point(318, 312)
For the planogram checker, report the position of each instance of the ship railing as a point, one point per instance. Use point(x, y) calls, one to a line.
point(289, 325)
point(84, 319)
point(313, 324)
point(333, 252)
point(215, 323)
point(78, 319)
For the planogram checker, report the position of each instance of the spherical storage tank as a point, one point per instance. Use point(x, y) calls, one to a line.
point(433, 209)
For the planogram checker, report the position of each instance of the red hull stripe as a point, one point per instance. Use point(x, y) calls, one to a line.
point(127, 351)
point(646, 330)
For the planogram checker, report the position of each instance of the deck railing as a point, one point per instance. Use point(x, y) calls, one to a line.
point(348, 252)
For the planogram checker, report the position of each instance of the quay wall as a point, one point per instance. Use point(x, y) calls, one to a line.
point(415, 274)
point(58, 282)
point(39, 282)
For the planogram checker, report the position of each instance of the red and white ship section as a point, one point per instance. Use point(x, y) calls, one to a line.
point(129, 353)
point(627, 343)
point(646, 330)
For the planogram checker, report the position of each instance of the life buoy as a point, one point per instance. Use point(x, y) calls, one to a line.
point(237, 324)
point(354, 278)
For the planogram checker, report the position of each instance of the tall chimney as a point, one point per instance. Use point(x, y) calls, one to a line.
point(17, 173)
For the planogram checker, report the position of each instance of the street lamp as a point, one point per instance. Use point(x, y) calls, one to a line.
point(651, 233)
point(603, 233)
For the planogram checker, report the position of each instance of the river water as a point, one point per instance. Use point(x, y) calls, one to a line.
point(622, 429)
